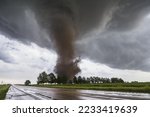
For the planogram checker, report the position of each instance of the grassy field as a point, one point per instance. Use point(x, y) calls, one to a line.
point(123, 87)
point(3, 91)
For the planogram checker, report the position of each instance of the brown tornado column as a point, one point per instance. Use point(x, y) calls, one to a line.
point(63, 35)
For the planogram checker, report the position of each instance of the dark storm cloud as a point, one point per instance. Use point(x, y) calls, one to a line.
point(18, 21)
point(116, 44)
point(123, 50)
point(129, 14)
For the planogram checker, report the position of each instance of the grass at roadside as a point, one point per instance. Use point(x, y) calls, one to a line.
point(3, 91)
point(123, 87)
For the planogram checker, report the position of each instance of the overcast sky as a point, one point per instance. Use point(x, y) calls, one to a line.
point(19, 62)
point(113, 40)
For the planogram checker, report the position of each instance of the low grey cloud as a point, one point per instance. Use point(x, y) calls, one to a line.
point(5, 57)
point(5, 51)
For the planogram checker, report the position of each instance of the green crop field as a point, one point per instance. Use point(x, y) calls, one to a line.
point(3, 91)
point(123, 87)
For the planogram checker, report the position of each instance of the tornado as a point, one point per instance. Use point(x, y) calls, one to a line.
point(63, 34)
point(60, 22)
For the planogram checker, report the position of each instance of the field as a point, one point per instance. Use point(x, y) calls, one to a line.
point(123, 87)
point(3, 91)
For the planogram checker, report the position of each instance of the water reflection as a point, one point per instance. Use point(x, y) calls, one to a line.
point(66, 94)
point(72, 94)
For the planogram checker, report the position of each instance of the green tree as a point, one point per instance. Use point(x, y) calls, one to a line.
point(117, 80)
point(88, 80)
point(42, 78)
point(39, 79)
point(61, 79)
point(51, 78)
point(92, 80)
point(120, 80)
point(27, 82)
point(79, 79)
point(75, 80)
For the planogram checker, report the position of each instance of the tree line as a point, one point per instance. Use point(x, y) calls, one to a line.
point(52, 78)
